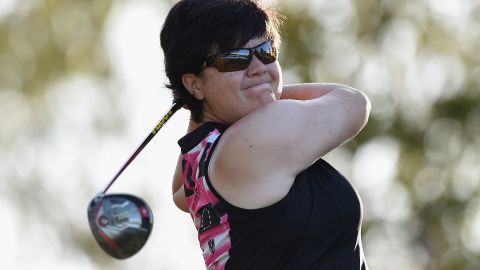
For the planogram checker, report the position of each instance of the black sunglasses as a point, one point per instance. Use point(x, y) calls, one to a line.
point(240, 58)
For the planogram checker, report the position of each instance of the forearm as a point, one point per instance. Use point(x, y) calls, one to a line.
point(177, 183)
point(348, 99)
point(308, 91)
point(177, 177)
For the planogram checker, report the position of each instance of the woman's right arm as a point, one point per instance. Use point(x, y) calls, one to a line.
point(266, 149)
point(310, 121)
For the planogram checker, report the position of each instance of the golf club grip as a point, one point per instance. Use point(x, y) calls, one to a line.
point(175, 107)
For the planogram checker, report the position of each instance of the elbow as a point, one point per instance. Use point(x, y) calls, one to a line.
point(356, 109)
point(180, 200)
point(366, 106)
point(360, 111)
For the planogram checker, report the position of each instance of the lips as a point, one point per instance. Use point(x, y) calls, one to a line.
point(257, 84)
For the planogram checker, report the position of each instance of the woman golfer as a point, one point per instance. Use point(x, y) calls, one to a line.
point(251, 172)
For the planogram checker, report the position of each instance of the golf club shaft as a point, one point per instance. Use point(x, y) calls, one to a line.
point(175, 106)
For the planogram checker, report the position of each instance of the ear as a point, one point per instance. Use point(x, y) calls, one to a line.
point(192, 83)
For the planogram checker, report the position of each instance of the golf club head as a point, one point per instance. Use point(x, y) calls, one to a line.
point(120, 223)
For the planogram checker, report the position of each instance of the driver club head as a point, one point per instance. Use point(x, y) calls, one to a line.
point(120, 223)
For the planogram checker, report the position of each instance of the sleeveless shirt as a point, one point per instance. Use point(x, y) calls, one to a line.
point(317, 225)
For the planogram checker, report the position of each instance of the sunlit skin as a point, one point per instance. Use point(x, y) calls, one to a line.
point(228, 96)
point(265, 118)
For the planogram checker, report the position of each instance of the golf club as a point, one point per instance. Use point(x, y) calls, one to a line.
point(121, 223)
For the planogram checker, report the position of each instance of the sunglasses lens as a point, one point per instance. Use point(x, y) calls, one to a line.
point(120, 223)
point(239, 59)
point(266, 53)
point(232, 61)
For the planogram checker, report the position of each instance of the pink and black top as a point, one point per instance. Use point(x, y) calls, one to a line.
point(315, 226)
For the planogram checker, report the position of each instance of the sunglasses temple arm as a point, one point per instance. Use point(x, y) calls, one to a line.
point(177, 104)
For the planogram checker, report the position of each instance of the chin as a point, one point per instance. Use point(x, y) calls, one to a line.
point(267, 98)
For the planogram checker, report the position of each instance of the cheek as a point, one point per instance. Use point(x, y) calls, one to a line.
point(278, 69)
point(231, 83)
point(277, 77)
point(234, 78)
point(221, 83)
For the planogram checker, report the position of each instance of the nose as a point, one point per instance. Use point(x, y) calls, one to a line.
point(256, 67)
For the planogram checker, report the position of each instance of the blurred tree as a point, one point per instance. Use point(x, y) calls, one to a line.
point(418, 59)
point(41, 42)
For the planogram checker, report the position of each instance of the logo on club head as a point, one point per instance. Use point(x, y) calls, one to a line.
point(120, 223)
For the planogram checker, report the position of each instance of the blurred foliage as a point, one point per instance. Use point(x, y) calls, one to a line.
point(437, 135)
point(416, 60)
point(42, 40)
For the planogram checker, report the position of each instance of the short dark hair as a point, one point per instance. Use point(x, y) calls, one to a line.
point(194, 29)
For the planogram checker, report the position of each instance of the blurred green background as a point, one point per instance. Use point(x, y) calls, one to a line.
point(81, 83)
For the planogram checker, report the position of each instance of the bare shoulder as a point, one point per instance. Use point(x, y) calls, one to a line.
point(257, 158)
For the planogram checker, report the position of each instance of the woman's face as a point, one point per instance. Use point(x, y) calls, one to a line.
point(228, 96)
